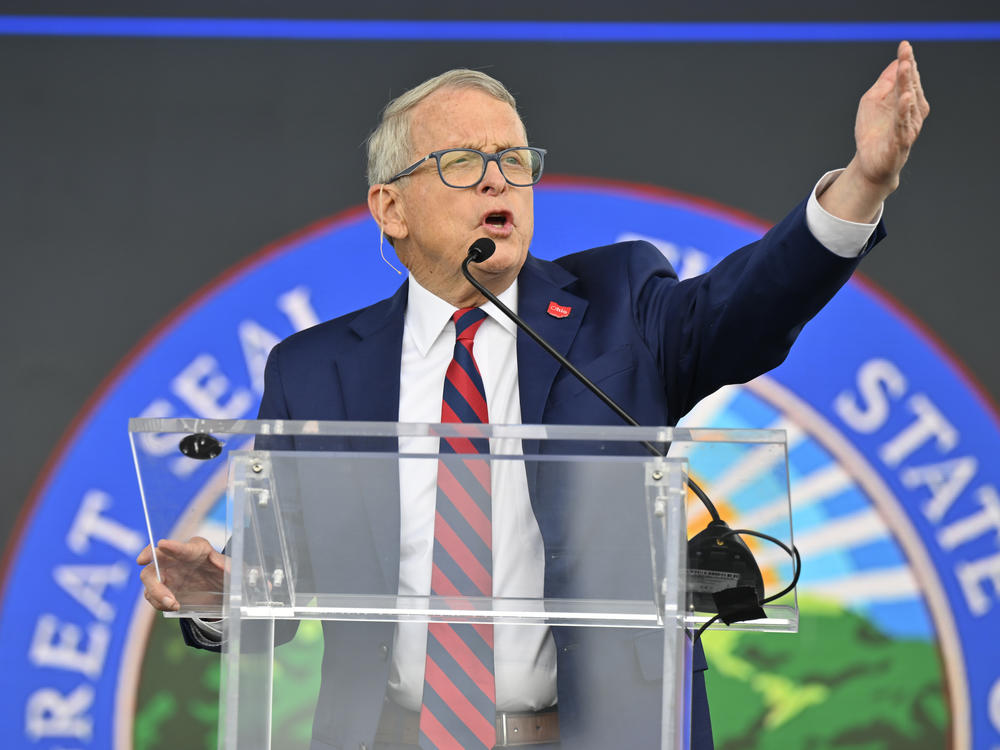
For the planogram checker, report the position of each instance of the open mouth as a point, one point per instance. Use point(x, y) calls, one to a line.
point(498, 223)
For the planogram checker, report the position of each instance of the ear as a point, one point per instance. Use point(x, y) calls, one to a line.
point(385, 206)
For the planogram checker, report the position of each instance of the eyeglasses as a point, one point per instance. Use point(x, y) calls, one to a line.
point(465, 167)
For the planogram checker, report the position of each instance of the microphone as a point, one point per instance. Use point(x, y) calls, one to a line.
point(715, 550)
point(482, 249)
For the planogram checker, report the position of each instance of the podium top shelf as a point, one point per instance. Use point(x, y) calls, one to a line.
point(319, 428)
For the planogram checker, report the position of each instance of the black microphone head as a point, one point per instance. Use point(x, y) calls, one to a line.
point(482, 249)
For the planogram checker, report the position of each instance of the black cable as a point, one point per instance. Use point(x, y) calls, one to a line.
point(704, 627)
point(624, 415)
point(792, 551)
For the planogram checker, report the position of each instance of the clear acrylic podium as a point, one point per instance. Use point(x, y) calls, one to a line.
point(315, 622)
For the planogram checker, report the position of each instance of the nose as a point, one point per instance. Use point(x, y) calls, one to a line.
point(493, 182)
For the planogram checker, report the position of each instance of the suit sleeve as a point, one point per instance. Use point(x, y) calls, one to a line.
point(739, 319)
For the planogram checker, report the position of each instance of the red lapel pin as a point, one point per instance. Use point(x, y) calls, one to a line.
point(558, 311)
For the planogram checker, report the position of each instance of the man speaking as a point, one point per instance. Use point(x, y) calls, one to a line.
point(450, 164)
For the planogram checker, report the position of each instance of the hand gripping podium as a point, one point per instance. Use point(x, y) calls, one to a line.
point(320, 632)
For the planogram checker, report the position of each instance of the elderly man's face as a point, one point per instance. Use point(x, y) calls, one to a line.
point(442, 222)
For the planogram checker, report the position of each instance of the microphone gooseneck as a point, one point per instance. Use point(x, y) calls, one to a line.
point(705, 548)
point(482, 249)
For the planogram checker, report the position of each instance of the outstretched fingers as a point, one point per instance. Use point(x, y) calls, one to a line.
point(911, 103)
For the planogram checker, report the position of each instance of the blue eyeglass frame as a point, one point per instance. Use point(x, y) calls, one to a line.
point(487, 158)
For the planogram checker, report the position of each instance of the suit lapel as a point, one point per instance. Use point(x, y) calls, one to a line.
point(369, 372)
point(539, 284)
point(369, 375)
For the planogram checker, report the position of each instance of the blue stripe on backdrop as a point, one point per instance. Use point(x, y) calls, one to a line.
point(499, 31)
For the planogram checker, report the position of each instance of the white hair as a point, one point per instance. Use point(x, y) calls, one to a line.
point(389, 146)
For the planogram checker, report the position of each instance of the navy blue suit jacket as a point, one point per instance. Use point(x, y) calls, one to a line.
point(655, 344)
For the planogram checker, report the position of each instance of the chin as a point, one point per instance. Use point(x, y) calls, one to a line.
point(506, 259)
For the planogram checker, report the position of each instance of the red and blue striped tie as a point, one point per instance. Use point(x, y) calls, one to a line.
point(459, 703)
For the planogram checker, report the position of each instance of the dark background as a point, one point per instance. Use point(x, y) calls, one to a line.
point(135, 170)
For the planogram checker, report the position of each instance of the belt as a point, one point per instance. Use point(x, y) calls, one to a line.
point(401, 726)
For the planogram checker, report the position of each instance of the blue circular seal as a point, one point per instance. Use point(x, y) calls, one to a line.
point(894, 488)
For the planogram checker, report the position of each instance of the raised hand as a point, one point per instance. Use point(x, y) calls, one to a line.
point(191, 570)
point(889, 119)
point(890, 116)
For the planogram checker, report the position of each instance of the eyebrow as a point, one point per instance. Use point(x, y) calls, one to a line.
point(482, 147)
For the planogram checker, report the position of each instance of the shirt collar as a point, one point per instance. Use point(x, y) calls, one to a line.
point(428, 315)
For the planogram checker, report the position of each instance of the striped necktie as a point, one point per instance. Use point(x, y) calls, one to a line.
point(459, 702)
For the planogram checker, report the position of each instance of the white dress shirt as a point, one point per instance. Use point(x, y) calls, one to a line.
point(524, 655)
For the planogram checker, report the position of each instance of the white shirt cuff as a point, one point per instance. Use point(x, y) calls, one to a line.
point(844, 238)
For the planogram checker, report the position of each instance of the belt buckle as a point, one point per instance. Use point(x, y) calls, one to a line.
point(508, 738)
